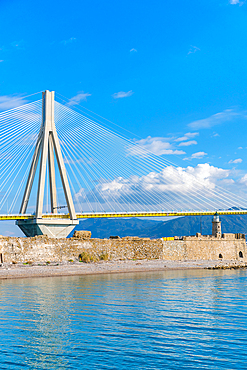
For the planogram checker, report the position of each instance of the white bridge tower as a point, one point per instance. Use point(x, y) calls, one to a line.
point(47, 148)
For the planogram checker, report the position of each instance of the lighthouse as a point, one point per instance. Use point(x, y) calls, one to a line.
point(216, 226)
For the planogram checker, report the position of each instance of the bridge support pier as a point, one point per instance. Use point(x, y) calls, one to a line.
point(53, 228)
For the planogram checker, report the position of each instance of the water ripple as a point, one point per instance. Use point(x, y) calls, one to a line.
point(161, 320)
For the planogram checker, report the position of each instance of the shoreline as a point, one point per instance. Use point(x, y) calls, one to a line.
point(17, 271)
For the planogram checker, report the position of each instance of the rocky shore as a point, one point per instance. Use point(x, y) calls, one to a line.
point(228, 266)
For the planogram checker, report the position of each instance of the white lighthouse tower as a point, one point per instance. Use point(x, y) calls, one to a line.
point(216, 226)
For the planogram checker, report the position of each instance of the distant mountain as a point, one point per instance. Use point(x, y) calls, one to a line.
point(190, 225)
point(104, 227)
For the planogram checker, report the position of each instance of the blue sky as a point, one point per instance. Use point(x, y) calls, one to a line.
point(172, 73)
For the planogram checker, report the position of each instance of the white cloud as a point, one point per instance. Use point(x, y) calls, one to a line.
point(1, 60)
point(80, 195)
point(171, 180)
point(196, 155)
point(228, 181)
point(208, 173)
point(188, 143)
point(193, 49)
point(122, 94)
point(187, 136)
point(243, 180)
point(155, 145)
point(133, 50)
point(162, 145)
point(11, 101)
point(170, 188)
point(81, 96)
point(69, 41)
point(240, 147)
point(239, 160)
point(216, 119)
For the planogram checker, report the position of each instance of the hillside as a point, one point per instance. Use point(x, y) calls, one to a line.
point(103, 228)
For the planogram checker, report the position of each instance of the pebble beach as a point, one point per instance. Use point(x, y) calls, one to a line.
point(12, 271)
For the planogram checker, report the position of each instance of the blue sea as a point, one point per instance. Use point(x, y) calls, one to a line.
point(194, 319)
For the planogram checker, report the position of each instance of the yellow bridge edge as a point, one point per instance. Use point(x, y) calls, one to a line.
point(124, 214)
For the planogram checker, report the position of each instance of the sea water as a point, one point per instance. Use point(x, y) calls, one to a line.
point(190, 319)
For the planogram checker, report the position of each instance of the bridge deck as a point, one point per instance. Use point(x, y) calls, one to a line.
point(125, 214)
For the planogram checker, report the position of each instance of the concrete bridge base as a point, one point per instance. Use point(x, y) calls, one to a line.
point(53, 228)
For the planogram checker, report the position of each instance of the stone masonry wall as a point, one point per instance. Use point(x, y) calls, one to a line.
point(42, 249)
point(200, 249)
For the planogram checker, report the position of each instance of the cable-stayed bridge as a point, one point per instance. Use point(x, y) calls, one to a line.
point(58, 165)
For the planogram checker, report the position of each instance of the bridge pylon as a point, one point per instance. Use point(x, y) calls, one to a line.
point(46, 149)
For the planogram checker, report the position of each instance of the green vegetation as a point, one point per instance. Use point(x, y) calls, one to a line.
point(87, 258)
point(104, 256)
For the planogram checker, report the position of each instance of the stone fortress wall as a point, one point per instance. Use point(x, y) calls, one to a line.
point(42, 249)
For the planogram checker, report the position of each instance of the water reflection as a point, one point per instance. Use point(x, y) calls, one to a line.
point(173, 319)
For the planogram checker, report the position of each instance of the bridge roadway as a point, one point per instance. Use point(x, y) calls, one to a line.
point(124, 214)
